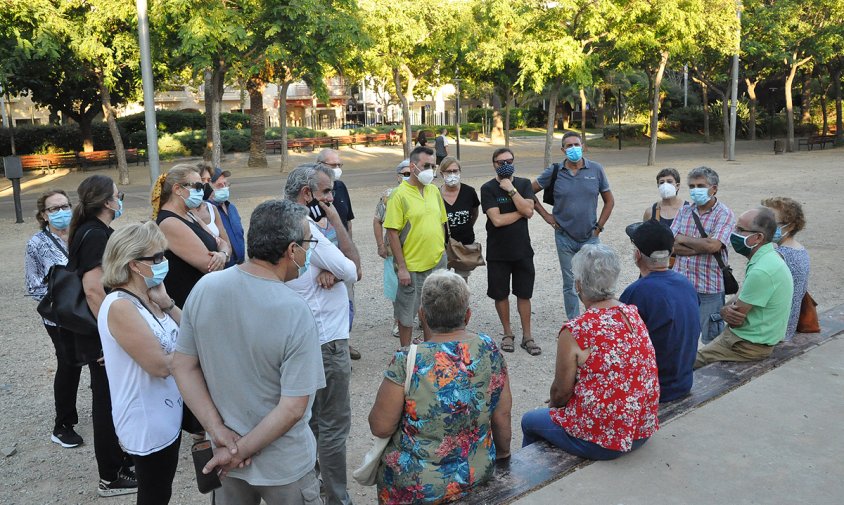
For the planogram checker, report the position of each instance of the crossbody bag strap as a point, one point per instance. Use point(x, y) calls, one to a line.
point(704, 235)
point(409, 367)
point(133, 295)
point(58, 244)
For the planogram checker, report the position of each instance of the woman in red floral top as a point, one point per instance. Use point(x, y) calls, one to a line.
point(605, 394)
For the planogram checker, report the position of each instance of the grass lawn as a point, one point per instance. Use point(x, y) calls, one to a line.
point(540, 132)
point(664, 138)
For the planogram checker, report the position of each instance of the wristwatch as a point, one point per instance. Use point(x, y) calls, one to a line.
point(171, 307)
point(599, 227)
point(512, 193)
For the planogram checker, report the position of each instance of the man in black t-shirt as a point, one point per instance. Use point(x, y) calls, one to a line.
point(508, 203)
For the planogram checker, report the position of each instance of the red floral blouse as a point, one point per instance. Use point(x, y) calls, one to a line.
point(616, 391)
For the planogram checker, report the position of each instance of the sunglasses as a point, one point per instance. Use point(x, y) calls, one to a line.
point(193, 185)
point(155, 258)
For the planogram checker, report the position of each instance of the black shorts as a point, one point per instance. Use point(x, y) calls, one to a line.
point(499, 274)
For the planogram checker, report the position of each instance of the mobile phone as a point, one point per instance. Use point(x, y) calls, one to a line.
point(202, 454)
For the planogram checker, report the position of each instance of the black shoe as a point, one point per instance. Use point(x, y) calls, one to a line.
point(124, 484)
point(354, 353)
point(66, 437)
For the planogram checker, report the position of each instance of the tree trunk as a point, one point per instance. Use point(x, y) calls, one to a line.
point(282, 122)
point(789, 109)
point(751, 92)
point(208, 94)
point(835, 72)
point(706, 131)
point(725, 121)
point(108, 112)
point(405, 112)
point(257, 125)
point(497, 131)
point(655, 109)
point(824, 114)
point(583, 115)
point(217, 84)
point(507, 108)
point(551, 122)
point(806, 98)
point(600, 110)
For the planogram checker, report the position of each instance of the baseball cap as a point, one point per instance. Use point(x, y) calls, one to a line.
point(404, 164)
point(218, 173)
point(653, 239)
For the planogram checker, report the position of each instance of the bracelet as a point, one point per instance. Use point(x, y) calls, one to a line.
point(171, 307)
point(227, 255)
point(512, 193)
point(599, 227)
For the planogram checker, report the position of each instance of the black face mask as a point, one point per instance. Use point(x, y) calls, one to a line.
point(315, 210)
point(207, 191)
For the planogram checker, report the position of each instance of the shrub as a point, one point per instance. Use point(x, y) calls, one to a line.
point(294, 132)
point(55, 138)
point(170, 147)
point(685, 119)
point(233, 121)
point(628, 131)
point(174, 121)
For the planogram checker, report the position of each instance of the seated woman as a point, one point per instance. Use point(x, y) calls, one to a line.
point(139, 324)
point(605, 394)
point(454, 421)
point(791, 220)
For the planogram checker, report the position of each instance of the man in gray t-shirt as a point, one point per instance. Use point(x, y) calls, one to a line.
point(577, 183)
point(248, 364)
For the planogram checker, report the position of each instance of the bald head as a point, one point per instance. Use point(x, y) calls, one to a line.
point(761, 220)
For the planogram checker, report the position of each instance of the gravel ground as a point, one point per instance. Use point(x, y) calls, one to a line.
point(41, 472)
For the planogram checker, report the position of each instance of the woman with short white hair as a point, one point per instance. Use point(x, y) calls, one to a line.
point(139, 324)
point(605, 394)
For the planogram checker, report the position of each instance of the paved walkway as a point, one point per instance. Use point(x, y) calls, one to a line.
point(778, 439)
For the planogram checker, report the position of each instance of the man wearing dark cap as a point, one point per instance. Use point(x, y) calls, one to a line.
point(229, 215)
point(668, 303)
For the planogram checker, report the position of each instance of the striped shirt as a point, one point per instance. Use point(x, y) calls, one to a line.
point(41, 254)
point(702, 269)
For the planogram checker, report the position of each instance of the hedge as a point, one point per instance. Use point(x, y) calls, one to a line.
point(174, 121)
point(42, 139)
point(628, 131)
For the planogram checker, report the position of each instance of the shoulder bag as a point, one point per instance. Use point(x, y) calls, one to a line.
point(65, 303)
point(731, 286)
point(368, 471)
point(463, 256)
point(808, 321)
point(548, 191)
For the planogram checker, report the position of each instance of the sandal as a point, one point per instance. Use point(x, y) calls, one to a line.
point(508, 343)
point(531, 347)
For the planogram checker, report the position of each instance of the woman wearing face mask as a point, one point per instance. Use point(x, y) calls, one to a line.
point(207, 212)
point(46, 248)
point(139, 325)
point(665, 210)
point(461, 205)
point(790, 221)
point(193, 249)
point(90, 228)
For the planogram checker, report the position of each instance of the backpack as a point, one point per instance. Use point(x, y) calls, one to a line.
point(548, 191)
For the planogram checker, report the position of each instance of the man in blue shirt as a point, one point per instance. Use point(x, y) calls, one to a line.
point(572, 188)
point(229, 215)
point(668, 303)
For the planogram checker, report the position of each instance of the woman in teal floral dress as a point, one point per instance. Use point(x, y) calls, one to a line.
point(455, 420)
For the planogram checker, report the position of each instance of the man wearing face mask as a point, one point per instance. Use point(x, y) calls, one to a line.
point(417, 203)
point(508, 203)
point(220, 198)
point(573, 188)
point(758, 316)
point(311, 185)
point(695, 247)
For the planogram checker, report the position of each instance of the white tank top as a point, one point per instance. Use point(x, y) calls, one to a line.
point(147, 410)
point(212, 226)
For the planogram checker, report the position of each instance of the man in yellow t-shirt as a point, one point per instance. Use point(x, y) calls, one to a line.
point(418, 204)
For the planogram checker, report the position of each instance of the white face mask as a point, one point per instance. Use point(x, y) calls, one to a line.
point(337, 173)
point(667, 190)
point(426, 176)
point(452, 180)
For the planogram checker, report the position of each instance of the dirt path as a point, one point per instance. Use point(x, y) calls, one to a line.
point(41, 472)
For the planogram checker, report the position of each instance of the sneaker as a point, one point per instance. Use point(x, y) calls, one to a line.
point(396, 330)
point(354, 353)
point(124, 484)
point(66, 437)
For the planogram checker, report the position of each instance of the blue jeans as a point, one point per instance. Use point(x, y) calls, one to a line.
point(711, 323)
point(567, 247)
point(538, 425)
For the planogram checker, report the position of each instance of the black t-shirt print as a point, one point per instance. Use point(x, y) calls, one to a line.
point(511, 242)
point(459, 214)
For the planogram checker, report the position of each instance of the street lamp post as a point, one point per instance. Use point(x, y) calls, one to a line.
point(618, 113)
point(771, 113)
point(457, 81)
point(149, 92)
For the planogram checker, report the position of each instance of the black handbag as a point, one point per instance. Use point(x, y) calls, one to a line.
point(548, 191)
point(65, 303)
point(731, 285)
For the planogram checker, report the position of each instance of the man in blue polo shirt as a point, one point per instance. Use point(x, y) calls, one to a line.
point(229, 215)
point(574, 188)
point(668, 304)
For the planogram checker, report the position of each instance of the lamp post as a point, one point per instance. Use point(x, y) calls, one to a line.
point(149, 92)
point(457, 81)
point(618, 113)
point(771, 113)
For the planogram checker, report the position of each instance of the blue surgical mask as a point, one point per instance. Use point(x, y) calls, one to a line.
point(779, 235)
point(195, 198)
point(60, 219)
point(700, 196)
point(159, 272)
point(119, 211)
point(574, 153)
point(307, 264)
point(221, 195)
point(406, 178)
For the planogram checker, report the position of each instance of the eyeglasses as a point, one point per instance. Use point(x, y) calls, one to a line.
point(312, 242)
point(120, 196)
point(57, 208)
point(742, 230)
point(155, 258)
point(452, 171)
point(334, 165)
point(405, 174)
point(429, 166)
point(193, 185)
point(503, 162)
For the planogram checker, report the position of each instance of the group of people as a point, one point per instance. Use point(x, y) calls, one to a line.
point(249, 334)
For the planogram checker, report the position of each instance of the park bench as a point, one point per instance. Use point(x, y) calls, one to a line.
point(274, 146)
point(52, 161)
point(108, 159)
point(540, 464)
point(815, 140)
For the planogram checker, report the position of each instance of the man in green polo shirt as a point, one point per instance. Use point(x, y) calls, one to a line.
point(758, 316)
point(417, 203)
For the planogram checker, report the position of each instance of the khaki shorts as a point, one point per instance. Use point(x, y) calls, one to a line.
point(730, 347)
point(408, 298)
